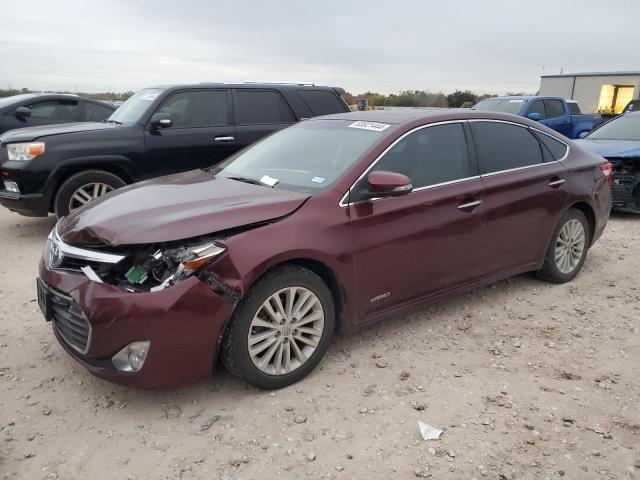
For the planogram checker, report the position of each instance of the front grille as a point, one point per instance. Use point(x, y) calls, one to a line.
point(70, 322)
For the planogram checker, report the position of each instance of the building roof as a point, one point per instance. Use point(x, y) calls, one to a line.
point(597, 74)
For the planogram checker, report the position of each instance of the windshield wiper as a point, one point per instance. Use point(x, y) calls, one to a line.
point(252, 181)
point(112, 121)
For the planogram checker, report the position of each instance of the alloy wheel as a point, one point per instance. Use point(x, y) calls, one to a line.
point(286, 330)
point(570, 246)
point(88, 192)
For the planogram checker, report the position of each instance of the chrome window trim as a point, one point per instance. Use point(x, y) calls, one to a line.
point(84, 254)
point(469, 120)
point(566, 154)
point(343, 203)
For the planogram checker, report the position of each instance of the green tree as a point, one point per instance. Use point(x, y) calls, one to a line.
point(457, 98)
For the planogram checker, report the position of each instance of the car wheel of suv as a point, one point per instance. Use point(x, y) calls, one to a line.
point(282, 329)
point(568, 249)
point(83, 187)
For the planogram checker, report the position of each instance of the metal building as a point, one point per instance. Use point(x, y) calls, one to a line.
point(601, 92)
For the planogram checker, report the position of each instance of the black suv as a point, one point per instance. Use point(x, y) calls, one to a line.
point(36, 109)
point(158, 131)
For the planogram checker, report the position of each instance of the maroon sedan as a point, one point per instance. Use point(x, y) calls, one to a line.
point(325, 226)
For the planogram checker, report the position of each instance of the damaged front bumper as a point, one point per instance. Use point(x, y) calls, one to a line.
point(183, 323)
point(625, 189)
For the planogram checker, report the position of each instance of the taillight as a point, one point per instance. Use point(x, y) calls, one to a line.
point(607, 170)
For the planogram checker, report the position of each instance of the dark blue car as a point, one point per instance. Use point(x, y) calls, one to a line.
point(619, 142)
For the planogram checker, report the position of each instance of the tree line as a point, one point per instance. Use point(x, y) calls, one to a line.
point(422, 98)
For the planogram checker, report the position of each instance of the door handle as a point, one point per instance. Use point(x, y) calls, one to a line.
point(556, 183)
point(469, 205)
point(224, 139)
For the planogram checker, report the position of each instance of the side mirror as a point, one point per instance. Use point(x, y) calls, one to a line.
point(583, 134)
point(388, 184)
point(535, 116)
point(22, 112)
point(161, 120)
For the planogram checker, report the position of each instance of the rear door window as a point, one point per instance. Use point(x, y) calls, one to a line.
point(430, 156)
point(254, 107)
point(574, 108)
point(504, 146)
point(322, 102)
point(197, 108)
point(538, 107)
point(96, 113)
point(555, 108)
point(55, 110)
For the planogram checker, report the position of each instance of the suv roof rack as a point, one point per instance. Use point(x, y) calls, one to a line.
point(304, 84)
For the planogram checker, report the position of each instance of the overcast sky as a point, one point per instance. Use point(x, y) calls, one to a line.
point(487, 46)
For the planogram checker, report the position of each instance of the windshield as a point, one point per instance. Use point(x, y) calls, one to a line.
point(504, 105)
point(306, 157)
point(131, 110)
point(625, 127)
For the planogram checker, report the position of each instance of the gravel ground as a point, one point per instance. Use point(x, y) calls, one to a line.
point(527, 380)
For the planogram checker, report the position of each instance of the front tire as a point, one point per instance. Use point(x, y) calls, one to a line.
point(81, 188)
point(281, 330)
point(568, 248)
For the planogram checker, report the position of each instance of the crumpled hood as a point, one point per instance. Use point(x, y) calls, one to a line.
point(175, 207)
point(29, 134)
point(611, 148)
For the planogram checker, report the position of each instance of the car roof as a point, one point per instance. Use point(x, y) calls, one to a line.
point(422, 115)
point(257, 85)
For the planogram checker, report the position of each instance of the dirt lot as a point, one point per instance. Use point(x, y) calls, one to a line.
point(528, 380)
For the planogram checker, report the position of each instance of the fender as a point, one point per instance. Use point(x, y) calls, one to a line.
point(98, 162)
point(116, 164)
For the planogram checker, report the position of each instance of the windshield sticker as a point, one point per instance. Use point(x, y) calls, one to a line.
point(374, 126)
point(318, 179)
point(270, 181)
point(149, 96)
point(516, 101)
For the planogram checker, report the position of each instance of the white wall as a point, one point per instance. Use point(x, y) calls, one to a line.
point(556, 86)
point(587, 89)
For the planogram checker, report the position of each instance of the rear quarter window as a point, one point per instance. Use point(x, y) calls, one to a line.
point(552, 149)
point(321, 102)
point(504, 146)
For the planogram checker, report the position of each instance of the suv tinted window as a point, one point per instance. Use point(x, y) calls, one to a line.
point(430, 156)
point(555, 108)
point(260, 106)
point(574, 108)
point(63, 110)
point(537, 107)
point(551, 148)
point(321, 102)
point(97, 113)
point(197, 108)
point(503, 146)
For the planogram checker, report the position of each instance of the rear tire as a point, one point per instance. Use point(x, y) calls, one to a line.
point(84, 187)
point(568, 248)
point(271, 350)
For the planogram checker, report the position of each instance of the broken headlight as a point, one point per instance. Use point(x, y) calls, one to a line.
point(165, 267)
